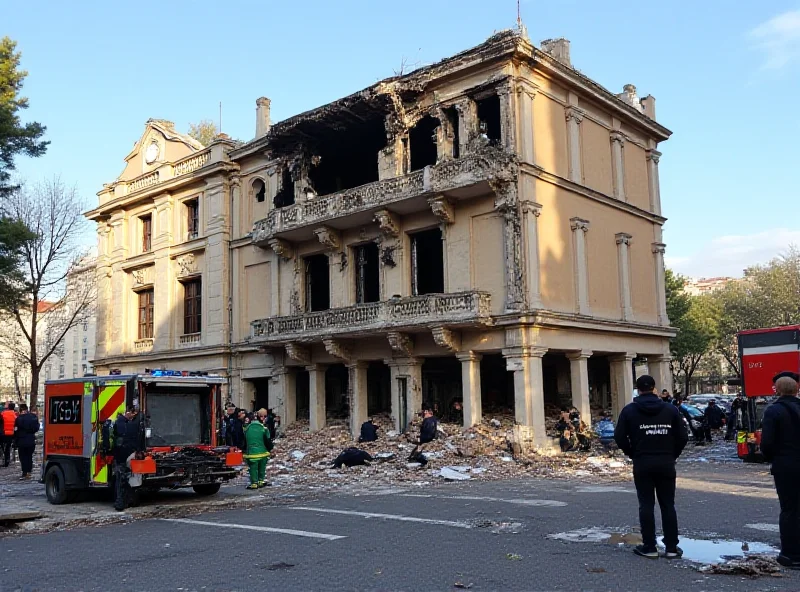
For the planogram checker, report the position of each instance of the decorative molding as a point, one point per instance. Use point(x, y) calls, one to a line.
point(653, 155)
point(298, 353)
point(142, 276)
point(659, 248)
point(401, 343)
point(187, 265)
point(531, 207)
point(387, 256)
point(282, 248)
point(329, 238)
point(573, 114)
point(581, 354)
point(342, 261)
point(337, 349)
point(623, 238)
point(446, 338)
point(617, 136)
point(579, 224)
point(388, 223)
point(442, 209)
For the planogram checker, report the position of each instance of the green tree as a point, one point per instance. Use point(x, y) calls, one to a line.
point(13, 236)
point(15, 137)
point(203, 131)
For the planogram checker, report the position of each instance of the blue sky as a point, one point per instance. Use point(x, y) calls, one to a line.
point(725, 76)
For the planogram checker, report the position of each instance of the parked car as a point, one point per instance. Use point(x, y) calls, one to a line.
point(701, 401)
point(695, 413)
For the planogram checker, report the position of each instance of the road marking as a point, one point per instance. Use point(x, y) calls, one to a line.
point(602, 489)
point(384, 516)
point(520, 501)
point(763, 526)
point(300, 533)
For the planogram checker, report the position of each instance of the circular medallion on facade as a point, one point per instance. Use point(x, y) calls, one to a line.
point(151, 154)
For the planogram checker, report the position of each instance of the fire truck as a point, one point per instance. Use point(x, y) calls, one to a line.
point(179, 413)
point(763, 353)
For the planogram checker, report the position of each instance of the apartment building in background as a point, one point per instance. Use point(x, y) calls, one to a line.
point(486, 229)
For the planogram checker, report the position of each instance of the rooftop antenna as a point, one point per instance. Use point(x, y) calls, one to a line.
point(220, 117)
point(520, 27)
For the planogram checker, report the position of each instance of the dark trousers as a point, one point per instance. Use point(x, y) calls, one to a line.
point(26, 459)
point(788, 487)
point(121, 485)
point(657, 480)
point(5, 444)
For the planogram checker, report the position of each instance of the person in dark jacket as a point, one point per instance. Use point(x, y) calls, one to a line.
point(7, 420)
point(780, 445)
point(25, 428)
point(234, 430)
point(734, 416)
point(126, 442)
point(352, 457)
point(652, 434)
point(369, 432)
point(427, 434)
point(714, 415)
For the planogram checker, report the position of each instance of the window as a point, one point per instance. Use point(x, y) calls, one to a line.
point(61, 371)
point(367, 276)
point(84, 368)
point(146, 314)
point(259, 190)
point(85, 326)
point(192, 305)
point(285, 195)
point(147, 233)
point(192, 219)
point(427, 262)
point(84, 353)
point(422, 139)
point(318, 289)
point(489, 117)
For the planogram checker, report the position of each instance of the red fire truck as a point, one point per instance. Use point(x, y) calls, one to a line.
point(763, 353)
point(178, 436)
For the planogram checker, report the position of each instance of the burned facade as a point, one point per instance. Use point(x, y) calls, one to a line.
point(484, 230)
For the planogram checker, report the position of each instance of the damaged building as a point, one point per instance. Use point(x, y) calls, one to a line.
point(484, 230)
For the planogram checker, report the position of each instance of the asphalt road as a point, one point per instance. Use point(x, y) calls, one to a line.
point(479, 535)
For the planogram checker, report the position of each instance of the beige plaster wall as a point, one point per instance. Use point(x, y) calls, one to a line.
point(596, 148)
point(550, 135)
point(636, 186)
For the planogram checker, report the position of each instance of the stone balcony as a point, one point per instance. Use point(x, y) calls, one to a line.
point(420, 312)
point(454, 178)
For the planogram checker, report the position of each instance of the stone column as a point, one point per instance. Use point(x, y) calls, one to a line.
point(508, 116)
point(579, 229)
point(526, 93)
point(358, 395)
point(624, 263)
point(660, 370)
point(284, 403)
point(512, 250)
point(579, 381)
point(654, 183)
point(467, 124)
point(471, 387)
point(526, 364)
point(164, 284)
point(574, 119)
point(618, 164)
point(530, 223)
point(621, 381)
point(661, 294)
point(409, 369)
point(316, 397)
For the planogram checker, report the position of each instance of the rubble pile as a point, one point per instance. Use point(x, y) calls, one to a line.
point(751, 566)
point(488, 451)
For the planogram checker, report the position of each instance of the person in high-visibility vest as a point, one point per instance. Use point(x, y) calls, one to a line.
point(9, 417)
point(257, 445)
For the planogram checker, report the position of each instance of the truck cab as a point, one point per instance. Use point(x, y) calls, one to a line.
point(177, 447)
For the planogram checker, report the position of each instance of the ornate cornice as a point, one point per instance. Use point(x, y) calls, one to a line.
point(282, 248)
point(329, 238)
point(579, 224)
point(401, 343)
point(298, 353)
point(442, 209)
point(446, 338)
point(388, 223)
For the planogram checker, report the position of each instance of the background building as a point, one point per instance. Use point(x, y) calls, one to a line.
point(486, 229)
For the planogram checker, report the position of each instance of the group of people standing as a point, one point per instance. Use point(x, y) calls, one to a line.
point(19, 431)
point(253, 434)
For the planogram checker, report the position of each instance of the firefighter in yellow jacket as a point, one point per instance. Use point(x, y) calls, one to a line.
point(257, 445)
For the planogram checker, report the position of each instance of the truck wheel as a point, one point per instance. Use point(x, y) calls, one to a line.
point(206, 488)
point(55, 486)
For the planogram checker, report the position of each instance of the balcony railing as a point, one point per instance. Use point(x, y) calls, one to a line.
point(191, 163)
point(143, 345)
point(445, 176)
point(430, 309)
point(190, 338)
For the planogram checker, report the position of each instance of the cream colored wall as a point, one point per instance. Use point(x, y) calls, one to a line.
point(596, 157)
point(550, 135)
point(636, 186)
point(556, 267)
point(643, 272)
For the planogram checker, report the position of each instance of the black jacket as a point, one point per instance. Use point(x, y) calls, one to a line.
point(427, 431)
point(714, 416)
point(369, 432)
point(650, 431)
point(234, 431)
point(127, 437)
point(780, 435)
point(25, 426)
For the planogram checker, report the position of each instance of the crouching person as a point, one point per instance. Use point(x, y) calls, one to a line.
point(257, 446)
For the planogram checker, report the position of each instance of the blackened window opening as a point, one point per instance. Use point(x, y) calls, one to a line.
point(192, 219)
point(285, 195)
point(146, 314)
point(422, 141)
point(489, 117)
point(259, 190)
point(452, 121)
point(367, 275)
point(427, 262)
point(192, 297)
point(147, 233)
point(348, 157)
point(318, 290)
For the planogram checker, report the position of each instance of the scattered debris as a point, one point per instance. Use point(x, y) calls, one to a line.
point(751, 566)
point(513, 557)
point(279, 566)
point(452, 474)
point(298, 455)
point(462, 586)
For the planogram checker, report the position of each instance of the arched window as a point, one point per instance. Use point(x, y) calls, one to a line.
point(259, 190)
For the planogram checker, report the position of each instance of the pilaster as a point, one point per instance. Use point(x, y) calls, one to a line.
point(661, 294)
point(574, 118)
point(358, 395)
point(530, 222)
point(579, 229)
point(623, 263)
point(406, 390)
point(654, 183)
point(618, 164)
point(471, 387)
point(579, 381)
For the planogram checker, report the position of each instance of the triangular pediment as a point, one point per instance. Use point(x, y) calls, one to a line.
point(160, 143)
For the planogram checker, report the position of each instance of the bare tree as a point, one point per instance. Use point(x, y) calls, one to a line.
point(59, 289)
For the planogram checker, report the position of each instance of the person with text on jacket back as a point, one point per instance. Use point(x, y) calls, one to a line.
point(652, 434)
point(25, 428)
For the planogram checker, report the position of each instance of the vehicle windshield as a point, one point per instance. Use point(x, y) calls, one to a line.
point(693, 411)
point(178, 416)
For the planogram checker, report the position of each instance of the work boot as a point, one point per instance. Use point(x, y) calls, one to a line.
point(252, 486)
point(645, 551)
point(675, 553)
point(788, 562)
